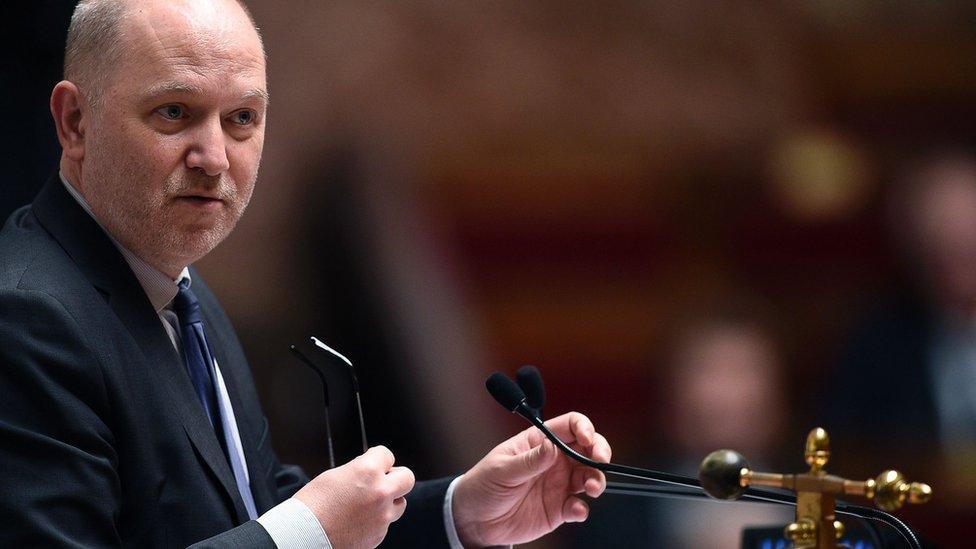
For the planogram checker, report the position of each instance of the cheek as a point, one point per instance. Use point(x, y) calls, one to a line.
point(151, 155)
point(165, 152)
point(245, 158)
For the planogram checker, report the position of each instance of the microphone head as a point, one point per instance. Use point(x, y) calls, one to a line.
point(505, 391)
point(720, 472)
point(530, 380)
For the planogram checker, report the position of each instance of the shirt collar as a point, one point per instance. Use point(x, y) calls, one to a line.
point(159, 288)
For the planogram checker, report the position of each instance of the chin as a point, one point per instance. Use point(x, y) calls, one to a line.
point(197, 244)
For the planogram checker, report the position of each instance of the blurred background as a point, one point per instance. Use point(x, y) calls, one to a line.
point(709, 223)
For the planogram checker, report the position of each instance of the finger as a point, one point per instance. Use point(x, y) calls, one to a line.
point(400, 480)
point(595, 483)
point(573, 427)
point(583, 430)
point(575, 509)
point(380, 457)
point(399, 507)
point(587, 480)
point(525, 465)
point(600, 451)
point(578, 478)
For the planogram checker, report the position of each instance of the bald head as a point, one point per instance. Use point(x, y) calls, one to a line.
point(161, 121)
point(99, 37)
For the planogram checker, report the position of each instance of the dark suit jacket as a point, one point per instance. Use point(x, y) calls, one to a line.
point(880, 400)
point(102, 440)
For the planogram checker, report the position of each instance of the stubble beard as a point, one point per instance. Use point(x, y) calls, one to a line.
point(153, 225)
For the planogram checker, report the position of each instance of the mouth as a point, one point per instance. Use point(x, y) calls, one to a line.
point(204, 202)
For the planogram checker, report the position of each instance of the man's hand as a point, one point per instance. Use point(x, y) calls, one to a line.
point(356, 503)
point(525, 487)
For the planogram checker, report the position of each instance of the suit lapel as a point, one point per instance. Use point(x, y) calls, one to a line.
point(263, 499)
point(249, 441)
point(168, 368)
point(104, 266)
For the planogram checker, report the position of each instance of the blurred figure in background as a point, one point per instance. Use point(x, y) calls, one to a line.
point(909, 373)
point(725, 389)
point(728, 392)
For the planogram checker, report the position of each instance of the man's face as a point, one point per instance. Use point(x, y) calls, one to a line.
point(945, 233)
point(173, 148)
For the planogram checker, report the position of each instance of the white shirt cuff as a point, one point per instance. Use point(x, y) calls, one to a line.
point(452, 535)
point(292, 525)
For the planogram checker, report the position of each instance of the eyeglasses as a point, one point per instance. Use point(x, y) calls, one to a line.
point(320, 372)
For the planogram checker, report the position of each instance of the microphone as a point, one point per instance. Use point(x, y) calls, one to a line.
point(513, 398)
point(508, 394)
point(530, 380)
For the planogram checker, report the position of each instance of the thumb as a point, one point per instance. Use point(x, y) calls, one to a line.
point(524, 466)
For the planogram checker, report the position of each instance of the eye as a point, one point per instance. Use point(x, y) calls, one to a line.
point(171, 112)
point(243, 117)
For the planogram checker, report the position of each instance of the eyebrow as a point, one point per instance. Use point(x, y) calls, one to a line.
point(259, 93)
point(182, 87)
point(173, 87)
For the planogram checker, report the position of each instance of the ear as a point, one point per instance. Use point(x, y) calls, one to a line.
point(71, 116)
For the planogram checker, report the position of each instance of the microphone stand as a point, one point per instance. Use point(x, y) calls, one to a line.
point(866, 515)
point(750, 494)
point(678, 487)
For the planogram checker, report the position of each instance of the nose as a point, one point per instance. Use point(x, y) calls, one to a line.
point(208, 151)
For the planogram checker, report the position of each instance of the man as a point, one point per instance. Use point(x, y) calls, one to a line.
point(914, 351)
point(129, 416)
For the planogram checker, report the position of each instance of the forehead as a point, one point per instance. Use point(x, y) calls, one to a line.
point(197, 45)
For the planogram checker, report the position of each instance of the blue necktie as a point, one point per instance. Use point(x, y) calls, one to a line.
point(200, 366)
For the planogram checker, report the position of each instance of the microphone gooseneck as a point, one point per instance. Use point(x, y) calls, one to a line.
point(513, 398)
point(509, 395)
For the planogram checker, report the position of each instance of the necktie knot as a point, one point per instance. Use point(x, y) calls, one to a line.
point(185, 305)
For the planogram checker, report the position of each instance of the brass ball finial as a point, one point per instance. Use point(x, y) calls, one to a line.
point(919, 492)
point(721, 472)
point(839, 529)
point(892, 490)
point(803, 533)
point(817, 450)
point(726, 475)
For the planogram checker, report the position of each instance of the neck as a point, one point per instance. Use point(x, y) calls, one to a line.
point(171, 269)
point(72, 174)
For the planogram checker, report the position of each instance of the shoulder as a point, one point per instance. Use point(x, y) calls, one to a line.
point(31, 259)
point(46, 354)
point(43, 298)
